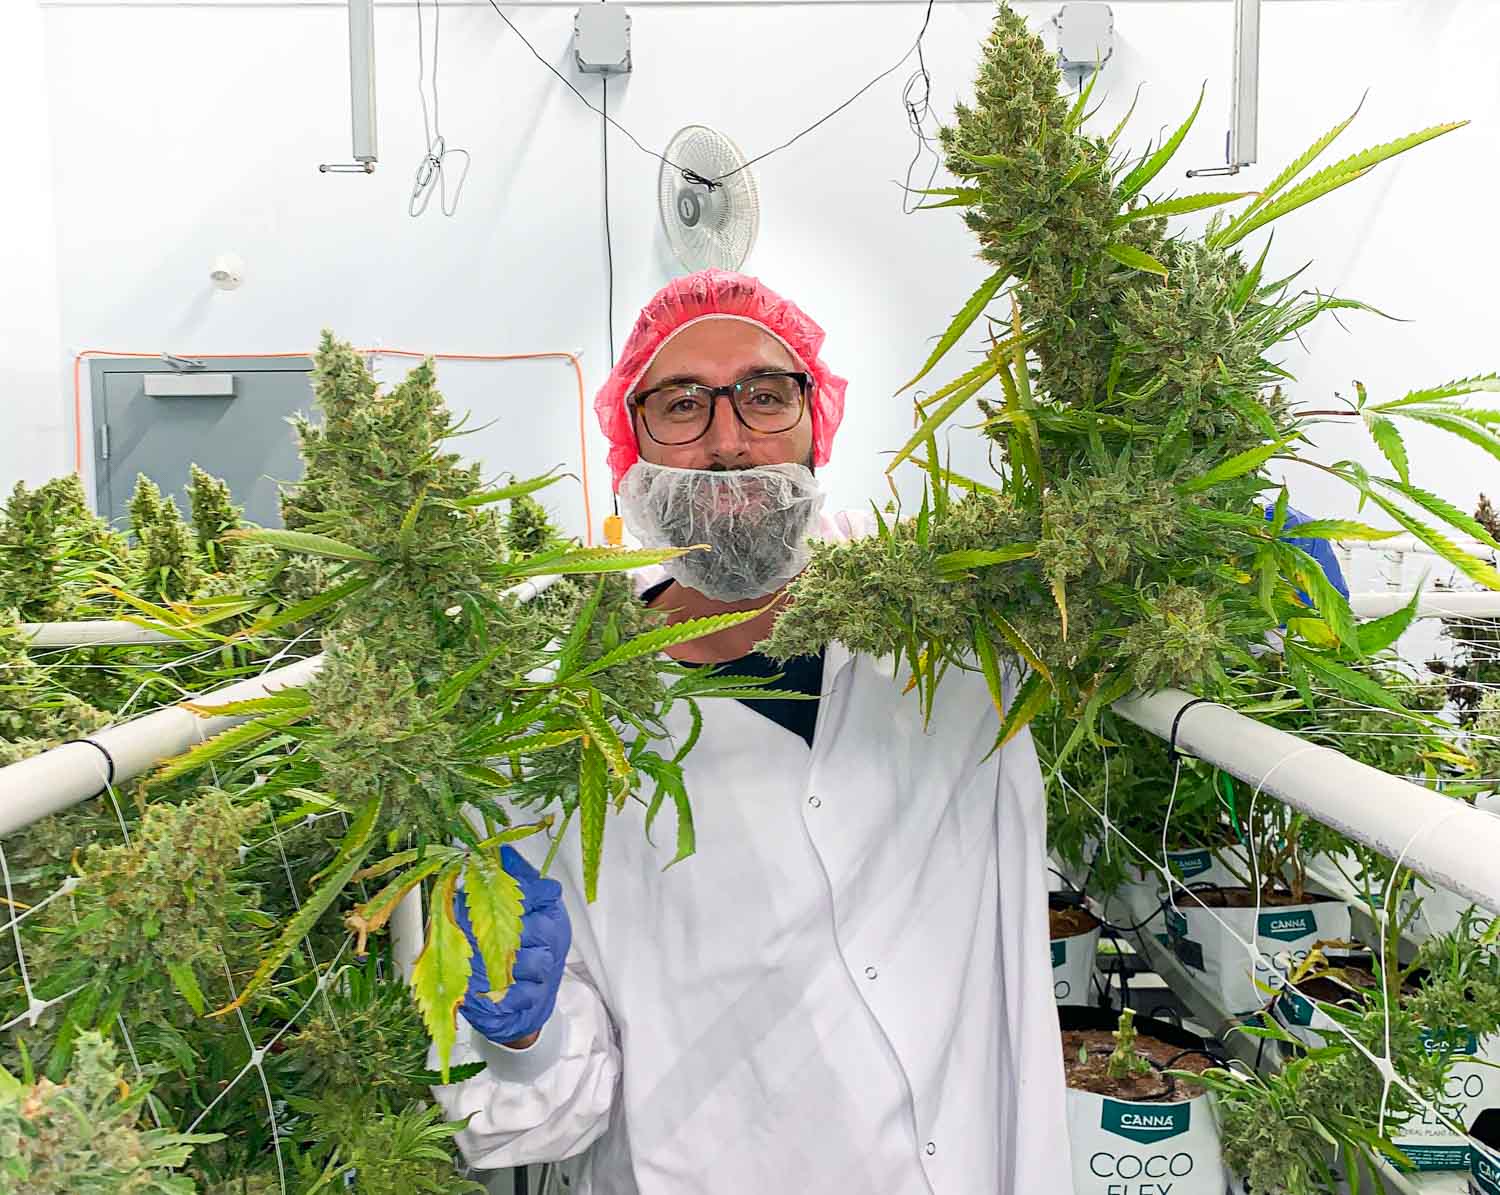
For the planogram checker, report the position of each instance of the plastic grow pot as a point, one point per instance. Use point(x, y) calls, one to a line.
point(1074, 955)
point(1471, 1089)
point(1484, 1154)
point(1201, 865)
point(1297, 1011)
point(1211, 943)
point(1142, 1147)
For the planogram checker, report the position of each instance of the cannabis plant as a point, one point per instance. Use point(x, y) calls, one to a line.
point(1475, 671)
point(83, 1136)
point(482, 679)
point(444, 704)
point(1126, 1061)
point(49, 544)
point(1129, 385)
point(1300, 1129)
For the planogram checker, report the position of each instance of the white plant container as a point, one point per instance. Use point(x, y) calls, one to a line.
point(1473, 1084)
point(1211, 943)
point(1203, 865)
point(1074, 959)
point(1484, 1167)
point(1142, 1147)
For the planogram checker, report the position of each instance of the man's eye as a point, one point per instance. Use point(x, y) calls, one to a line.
point(685, 405)
point(769, 398)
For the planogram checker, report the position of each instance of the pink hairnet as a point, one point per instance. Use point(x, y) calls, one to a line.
point(697, 296)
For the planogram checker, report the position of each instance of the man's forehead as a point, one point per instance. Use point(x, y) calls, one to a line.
point(717, 351)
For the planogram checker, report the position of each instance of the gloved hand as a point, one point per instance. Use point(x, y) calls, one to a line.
point(546, 935)
point(1319, 549)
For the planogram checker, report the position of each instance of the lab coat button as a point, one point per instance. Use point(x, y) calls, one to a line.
point(931, 1149)
point(870, 972)
point(815, 801)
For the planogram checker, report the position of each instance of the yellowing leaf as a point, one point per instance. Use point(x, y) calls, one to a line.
point(441, 974)
point(495, 908)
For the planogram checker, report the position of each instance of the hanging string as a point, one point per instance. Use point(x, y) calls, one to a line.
point(431, 170)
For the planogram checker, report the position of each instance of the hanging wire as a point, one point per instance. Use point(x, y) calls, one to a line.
point(431, 173)
point(693, 176)
point(916, 98)
point(609, 241)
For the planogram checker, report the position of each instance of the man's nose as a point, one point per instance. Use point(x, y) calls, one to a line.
point(727, 437)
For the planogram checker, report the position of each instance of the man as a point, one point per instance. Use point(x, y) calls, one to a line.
point(847, 989)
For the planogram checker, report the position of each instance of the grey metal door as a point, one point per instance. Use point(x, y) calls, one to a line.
point(230, 418)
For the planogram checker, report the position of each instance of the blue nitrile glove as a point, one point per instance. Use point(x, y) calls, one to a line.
point(1319, 549)
point(546, 935)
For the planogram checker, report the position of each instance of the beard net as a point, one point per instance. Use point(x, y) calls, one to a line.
point(754, 521)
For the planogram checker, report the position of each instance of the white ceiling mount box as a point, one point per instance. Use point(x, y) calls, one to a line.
point(189, 385)
point(1085, 37)
point(601, 39)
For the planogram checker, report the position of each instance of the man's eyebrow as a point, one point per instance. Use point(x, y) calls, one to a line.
point(688, 379)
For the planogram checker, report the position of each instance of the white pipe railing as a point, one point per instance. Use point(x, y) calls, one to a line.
point(1408, 543)
point(1434, 603)
point(62, 777)
point(99, 633)
point(1442, 839)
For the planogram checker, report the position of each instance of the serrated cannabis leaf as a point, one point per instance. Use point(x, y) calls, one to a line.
point(495, 908)
point(304, 542)
point(441, 974)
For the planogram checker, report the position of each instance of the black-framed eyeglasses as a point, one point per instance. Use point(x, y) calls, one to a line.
point(765, 403)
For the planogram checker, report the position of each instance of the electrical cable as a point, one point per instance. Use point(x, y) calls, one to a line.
point(609, 244)
point(917, 113)
point(430, 174)
point(609, 251)
point(693, 176)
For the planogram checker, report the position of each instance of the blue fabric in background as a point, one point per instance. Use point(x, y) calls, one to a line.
point(1319, 549)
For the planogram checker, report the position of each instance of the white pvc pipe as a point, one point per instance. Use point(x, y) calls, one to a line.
point(65, 775)
point(98, 633)
point(1434, 603)
point(1409, 543)
point(62, 777)
point(1444, 840)
point(408, 934)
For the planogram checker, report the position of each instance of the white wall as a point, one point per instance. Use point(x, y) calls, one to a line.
point(36, 441)
point(182, 131)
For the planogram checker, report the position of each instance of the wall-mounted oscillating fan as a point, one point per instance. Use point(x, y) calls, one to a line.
point(708, 224)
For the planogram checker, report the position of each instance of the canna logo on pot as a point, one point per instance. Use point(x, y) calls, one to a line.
point(1296, 1008)
point(1287, 926)
point(1449, 1041)
point(1191, 863)
point(1146, 1123)
point(1484, 1168)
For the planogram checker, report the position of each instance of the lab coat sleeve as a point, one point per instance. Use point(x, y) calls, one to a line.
point(1033, 1130)
point(544, 1103)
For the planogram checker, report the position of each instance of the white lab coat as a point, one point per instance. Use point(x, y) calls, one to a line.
point(847, 989)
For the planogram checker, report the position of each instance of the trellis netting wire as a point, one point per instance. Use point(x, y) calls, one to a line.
point(1387, 917)
point(36, 1006)
point(289, 651)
